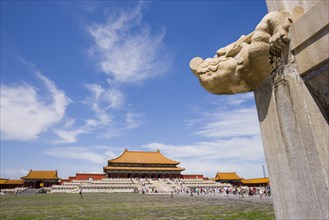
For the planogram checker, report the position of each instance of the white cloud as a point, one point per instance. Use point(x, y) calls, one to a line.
point(130, 120)
point(226, 123)
point(25, 113)
point(13, 173)
point(67, 136)
point(77, 153)
point(110, 155)
point(126, 49)
point(102, 101)
point(226, 117)
point(133, 120)
point(111, 118)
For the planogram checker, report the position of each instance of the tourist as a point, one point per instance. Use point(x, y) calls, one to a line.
point(254, 191)
point(267, 191)
point(80, 192)
point(261, 191)
point(227, 191)
point(241, 192)
point(250, 192)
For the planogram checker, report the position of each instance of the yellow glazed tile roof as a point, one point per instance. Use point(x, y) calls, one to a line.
point(144, 168)
point(143, 157)
point(227, 176)
point(2, 180)
point(14, 182)
point(41, 175)
point(255, 181)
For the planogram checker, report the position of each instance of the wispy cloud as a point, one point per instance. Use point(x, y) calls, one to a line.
point(236, 123)
point(111, 118)
point(77, 153)
point(103, 100)
point(126, 122)
point(230, 117)
point(25, 113)
point(126, 48)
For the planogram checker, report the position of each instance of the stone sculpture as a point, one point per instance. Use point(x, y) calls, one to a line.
point(290, 85)
point(243, 65)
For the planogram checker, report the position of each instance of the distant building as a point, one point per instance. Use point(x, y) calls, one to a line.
point(228, 177)
point(3, 180)
point(10, 183)
point(41, 178)
point(255, 182)
point(142, 164)
point(84, 176)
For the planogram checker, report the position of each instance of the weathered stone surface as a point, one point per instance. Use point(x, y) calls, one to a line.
point(288, 5)
point(310, 38)
point(296, 150)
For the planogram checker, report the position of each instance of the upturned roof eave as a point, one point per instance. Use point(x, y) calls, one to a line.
point(131, 162)
point(144, 168)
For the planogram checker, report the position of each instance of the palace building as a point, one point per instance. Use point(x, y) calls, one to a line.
point(10, 183)
point(255, 182)
point(142, 164)
point(41, 178)
point(228, 177)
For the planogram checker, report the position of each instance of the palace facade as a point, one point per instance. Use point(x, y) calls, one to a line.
point(228, 177)
point(142, 164)
point(41, 178)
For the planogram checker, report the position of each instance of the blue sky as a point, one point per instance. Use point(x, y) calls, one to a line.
point(82, 81)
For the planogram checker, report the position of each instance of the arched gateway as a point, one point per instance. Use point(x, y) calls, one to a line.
point(142, 164)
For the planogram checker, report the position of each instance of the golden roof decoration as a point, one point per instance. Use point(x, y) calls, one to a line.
point(142, 157)
point(41, 175)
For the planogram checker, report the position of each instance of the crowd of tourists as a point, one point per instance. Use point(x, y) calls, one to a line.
point(228, 191)
point(183, 188)
point(166, 186)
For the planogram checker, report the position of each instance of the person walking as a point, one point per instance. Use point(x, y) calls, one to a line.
point(268, 191)
point(261, 191)
point(80, 192)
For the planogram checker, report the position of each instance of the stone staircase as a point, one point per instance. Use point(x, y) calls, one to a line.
point(29, 191)
point(162, 186)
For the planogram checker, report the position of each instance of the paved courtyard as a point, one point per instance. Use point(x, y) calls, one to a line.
point(134, 206)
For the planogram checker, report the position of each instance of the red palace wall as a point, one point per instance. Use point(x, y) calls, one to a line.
point(87, 176)
point(192, 176)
